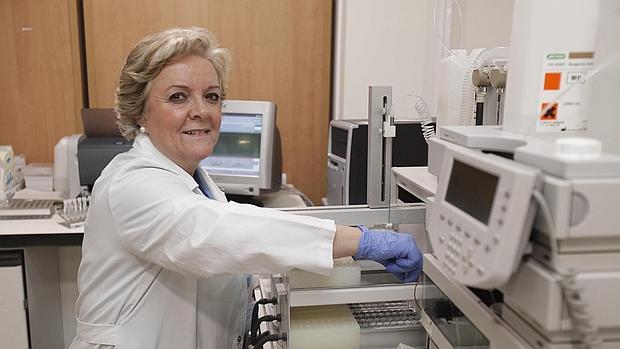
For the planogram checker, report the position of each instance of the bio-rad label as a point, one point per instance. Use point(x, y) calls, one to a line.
point(564, 92)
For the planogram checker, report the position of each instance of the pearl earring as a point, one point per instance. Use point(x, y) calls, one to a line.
point(142, 129)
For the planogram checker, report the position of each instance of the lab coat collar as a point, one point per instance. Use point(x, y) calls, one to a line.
point(215, 190)
point(143, 145)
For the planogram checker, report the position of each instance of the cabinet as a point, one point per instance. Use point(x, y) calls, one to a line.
point(30, 301)
point(13, 316)
point(281, 52)
point(41, 91)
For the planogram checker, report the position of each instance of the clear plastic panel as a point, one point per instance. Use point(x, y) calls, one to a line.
point(454, 326)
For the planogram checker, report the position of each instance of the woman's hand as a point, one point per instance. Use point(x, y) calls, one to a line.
point(396, 251)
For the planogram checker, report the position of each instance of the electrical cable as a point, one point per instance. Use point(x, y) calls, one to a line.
point(256, 325)
point(260, 338)
point(269, 338)
point(575, 304)
point(254, 319)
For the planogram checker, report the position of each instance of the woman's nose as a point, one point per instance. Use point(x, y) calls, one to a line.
point(199, 108)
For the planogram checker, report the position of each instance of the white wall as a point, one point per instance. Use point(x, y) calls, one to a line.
point(394, 42)
point(378, 43)
point(486, 23)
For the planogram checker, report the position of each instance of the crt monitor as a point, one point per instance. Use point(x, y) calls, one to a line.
point(247, 158)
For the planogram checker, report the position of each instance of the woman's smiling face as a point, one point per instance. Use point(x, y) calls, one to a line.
point(184, 111)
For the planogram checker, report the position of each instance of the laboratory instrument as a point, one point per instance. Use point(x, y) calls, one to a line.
point(347, 157)
point(247, 159)
point(359, 300)
point(472, 87)
point(562, 292)
point(480, 220)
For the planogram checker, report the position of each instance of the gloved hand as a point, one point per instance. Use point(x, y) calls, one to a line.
point(398, 252)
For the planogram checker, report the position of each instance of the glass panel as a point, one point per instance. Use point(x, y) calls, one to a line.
point(455, 327)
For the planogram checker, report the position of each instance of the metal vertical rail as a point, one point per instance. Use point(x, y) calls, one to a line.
point(380, 131)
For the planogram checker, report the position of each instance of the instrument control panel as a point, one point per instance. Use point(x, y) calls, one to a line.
point(481, 218)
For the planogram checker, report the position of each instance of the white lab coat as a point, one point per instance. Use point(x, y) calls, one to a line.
point(163, 266)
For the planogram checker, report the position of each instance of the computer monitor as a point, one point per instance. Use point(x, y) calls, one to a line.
point(247, 159)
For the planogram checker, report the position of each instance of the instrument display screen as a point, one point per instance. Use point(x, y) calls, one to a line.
point(472, 190)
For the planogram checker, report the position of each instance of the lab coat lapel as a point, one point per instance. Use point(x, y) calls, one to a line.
point(213, 188)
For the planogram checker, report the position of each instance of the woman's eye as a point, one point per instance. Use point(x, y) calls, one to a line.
point(177, 97)
point(213, 97)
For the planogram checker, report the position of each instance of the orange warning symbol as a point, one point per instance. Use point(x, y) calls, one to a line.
point(552, 81)
point(549, 113)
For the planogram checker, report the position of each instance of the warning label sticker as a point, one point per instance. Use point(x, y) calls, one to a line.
point(564, 91)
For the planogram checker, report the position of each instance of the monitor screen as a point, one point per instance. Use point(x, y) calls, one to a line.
point(472, 190)
point(237, 151)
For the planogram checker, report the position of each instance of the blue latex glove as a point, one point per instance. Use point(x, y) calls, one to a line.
point(398, 252)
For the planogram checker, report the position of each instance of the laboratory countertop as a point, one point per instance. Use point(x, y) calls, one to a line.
point(50, 232)
point(416, 180)
point(35, 232)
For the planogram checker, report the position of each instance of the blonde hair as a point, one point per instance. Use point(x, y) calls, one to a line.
point(149, 57)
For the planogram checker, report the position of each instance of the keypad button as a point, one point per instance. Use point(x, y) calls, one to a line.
point(470, 262)
point(496, 238)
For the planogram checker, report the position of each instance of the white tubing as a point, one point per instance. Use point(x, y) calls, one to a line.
point(426, 120)
point(467, 97)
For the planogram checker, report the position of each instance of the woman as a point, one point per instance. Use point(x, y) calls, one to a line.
point(164, 256)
